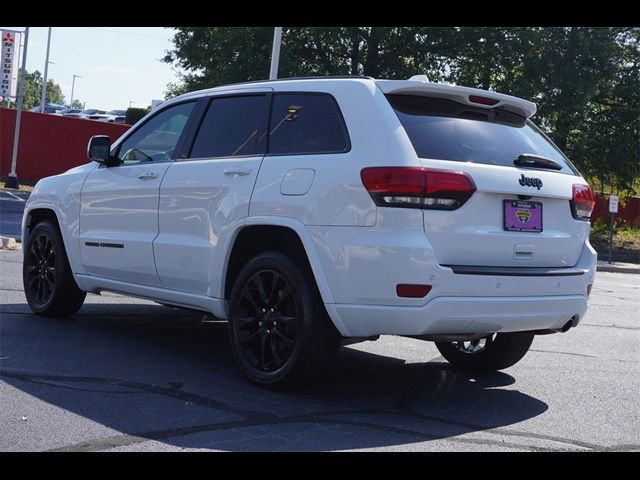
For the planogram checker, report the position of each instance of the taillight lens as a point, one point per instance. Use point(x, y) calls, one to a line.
point(582, 202)
point(482, 100)
point(413, 187)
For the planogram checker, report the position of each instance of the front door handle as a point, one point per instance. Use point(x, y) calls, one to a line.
point(148, 176)
point(237, 172)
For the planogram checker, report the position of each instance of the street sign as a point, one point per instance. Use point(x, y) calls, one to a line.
point(613, 203)
point(9, 63)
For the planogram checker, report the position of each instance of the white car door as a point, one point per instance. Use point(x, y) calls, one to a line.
point(119, 204)
point(208, 190)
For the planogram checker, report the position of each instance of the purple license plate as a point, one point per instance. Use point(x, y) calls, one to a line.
point(520, 216)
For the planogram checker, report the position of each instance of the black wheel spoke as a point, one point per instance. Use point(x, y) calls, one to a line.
point(258, 281)
point(246, 295)
point(247, 322)
point(277, 359)
point(40, 291)
point(286, 340)
point(283, 295)
point(277, 285)
point(287, 320)
point(263, 351)
point(41, 246)
point(247, 340)
point(50, 282)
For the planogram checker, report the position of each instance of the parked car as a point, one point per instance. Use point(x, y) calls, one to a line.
point(49, 108)
point(89, 113)
point(69, 111)
point(311, 213)
point(114, 116)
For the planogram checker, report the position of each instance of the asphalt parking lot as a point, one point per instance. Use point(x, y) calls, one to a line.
point(11, 208)
point(127, 374)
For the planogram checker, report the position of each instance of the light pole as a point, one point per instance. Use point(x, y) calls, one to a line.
point(73, 85)
point(46, 71)
point(12, 179)
point(275, 53)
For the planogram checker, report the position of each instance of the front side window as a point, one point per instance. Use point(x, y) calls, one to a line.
point(306, 123)
point(232, 126)
point(157, 138)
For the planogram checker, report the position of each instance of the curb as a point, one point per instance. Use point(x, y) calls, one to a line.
point(9, 243)
point(616, 269)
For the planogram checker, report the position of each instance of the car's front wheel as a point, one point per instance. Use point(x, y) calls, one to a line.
point(494, 352)
point(48, 282)
point(280, 333)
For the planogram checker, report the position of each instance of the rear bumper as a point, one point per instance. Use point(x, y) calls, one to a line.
point(453, 315)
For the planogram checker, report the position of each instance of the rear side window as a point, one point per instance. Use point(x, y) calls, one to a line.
point(446, 130)
point(306, 123)
point(232, 126)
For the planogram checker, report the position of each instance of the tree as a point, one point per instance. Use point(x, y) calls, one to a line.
point(77, 104)
point(33, 91)
point(583, 79)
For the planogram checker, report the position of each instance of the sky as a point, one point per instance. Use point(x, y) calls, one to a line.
point(119, 66)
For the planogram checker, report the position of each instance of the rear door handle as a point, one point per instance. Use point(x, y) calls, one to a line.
point(237, 172)
point(148, 176)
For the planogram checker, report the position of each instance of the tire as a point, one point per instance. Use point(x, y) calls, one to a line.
point(495, 352)
point(48, 282)
point(279, 331)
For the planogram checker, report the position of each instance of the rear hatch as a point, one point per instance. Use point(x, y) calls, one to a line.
point(523, 210)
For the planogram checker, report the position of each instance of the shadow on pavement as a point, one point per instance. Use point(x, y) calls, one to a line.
point(151, 372)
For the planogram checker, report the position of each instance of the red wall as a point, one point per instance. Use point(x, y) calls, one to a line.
point(49, 144)
point(628, 213)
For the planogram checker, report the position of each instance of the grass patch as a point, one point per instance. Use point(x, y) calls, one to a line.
point(626, 242)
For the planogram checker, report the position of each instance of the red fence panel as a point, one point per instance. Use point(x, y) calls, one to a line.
point(49, 144)
point(628, 211)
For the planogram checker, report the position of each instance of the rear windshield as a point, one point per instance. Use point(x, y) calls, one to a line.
point(446, 130)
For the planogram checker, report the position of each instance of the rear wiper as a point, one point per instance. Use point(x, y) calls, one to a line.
point(534, 161)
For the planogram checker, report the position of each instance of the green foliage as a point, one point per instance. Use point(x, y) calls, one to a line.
point(33, 91)
point(135, 114)
point(77, 104)
point(585, 80)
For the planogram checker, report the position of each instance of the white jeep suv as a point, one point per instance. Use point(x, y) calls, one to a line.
point(316, 212)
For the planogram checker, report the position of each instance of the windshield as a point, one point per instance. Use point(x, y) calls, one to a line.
point(446, 130)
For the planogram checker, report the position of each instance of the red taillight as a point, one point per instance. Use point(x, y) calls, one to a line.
point(412, 291)
point(415, 187)
point(482, 100)
point(582, 202)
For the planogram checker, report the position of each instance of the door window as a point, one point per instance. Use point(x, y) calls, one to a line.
point(156, 139)
point(232, 126)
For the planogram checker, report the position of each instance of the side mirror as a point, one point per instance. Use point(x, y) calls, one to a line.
point(99, 148)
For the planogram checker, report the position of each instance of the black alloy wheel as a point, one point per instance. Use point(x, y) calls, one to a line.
point(280, 333)
point(48, 282)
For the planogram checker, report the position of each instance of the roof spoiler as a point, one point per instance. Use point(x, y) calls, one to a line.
point(467, 96)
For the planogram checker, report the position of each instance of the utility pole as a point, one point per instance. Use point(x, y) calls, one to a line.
point(43, 97)
point(275, 53)
point(12, 179)
point(73, 86)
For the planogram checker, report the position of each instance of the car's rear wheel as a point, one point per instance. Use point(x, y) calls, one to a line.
point(48, 282)
point(280, 333)
point(494, 352)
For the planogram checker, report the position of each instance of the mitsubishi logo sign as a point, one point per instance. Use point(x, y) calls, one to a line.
point(9, 64)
